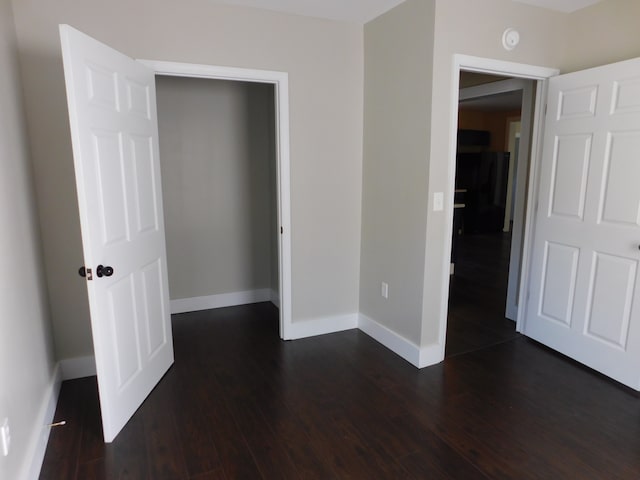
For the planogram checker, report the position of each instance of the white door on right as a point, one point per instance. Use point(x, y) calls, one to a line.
point(584, 285)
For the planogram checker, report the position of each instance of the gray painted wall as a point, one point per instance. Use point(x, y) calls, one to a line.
point(604, 33)
point(325, 62)
point(398, 52)
point(26, 344)
point(325, 66)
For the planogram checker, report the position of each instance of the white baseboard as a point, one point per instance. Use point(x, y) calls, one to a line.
point(412, 353)
point(78, 367)
point(431, 355)
point(40, 436)
point(194, 304)
point(322, 326)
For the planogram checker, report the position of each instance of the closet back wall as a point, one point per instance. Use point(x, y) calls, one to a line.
point(217, 153)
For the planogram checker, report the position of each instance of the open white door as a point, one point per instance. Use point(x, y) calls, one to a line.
point(520, 201)
point(112, 112)
point(584, 285)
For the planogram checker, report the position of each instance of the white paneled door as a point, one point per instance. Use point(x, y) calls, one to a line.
point(112, 112)
point(584, 284)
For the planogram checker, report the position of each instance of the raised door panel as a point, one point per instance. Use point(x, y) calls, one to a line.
point(125, 336)
point(584, 293)
point(612, 286)
point(145, 190)
point(621, 184)
point(115, 144)
point(559, 283)
point(569, 178)
point(156, 334)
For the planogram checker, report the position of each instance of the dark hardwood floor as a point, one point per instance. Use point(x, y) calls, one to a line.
point(477, 294)
point(239, 403)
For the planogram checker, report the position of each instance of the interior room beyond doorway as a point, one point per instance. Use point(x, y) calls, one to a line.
point(486, 190)
point(218, 161)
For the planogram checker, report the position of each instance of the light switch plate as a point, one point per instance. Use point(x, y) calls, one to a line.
point(5, 437)
point(438, 201)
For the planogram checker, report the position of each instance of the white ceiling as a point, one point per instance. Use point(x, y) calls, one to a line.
point(358, 11)
point(362, 11)
point(567, 6)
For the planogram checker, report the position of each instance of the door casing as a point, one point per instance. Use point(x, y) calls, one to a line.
point(526, 87)
point(280, 81)
point(508, 69)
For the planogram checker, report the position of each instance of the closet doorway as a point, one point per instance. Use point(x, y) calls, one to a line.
point(223, 137)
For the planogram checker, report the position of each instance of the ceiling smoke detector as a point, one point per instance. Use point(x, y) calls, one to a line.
point(510, 38)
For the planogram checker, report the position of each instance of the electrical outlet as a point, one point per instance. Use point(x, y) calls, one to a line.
point(384, 290)
point(5, 437)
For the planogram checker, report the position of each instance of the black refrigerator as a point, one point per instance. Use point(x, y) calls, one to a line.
point(482, 177)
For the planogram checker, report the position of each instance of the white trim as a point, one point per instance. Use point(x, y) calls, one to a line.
point(323, 326)
point(412, 353)
point(513, 130)
point(194, 304)
point(390, 339)
point(78, 367)
point(178, 69)
point(532, 189)
point(495, 67)
point(430, 355)
point(37, 445)
point(283, 178)
point(520, 202)
point(280, 81)
point(502, 68)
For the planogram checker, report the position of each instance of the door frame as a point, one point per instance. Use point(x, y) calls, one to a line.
point(518, 212)
point(509, 69)
point(280, 81)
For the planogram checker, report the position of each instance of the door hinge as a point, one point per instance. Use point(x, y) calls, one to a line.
point(545, 109)
point(281, 230)
point(85, 273)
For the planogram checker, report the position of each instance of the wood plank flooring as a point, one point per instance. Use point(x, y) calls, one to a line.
point(241, 404)
point(477, 294)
